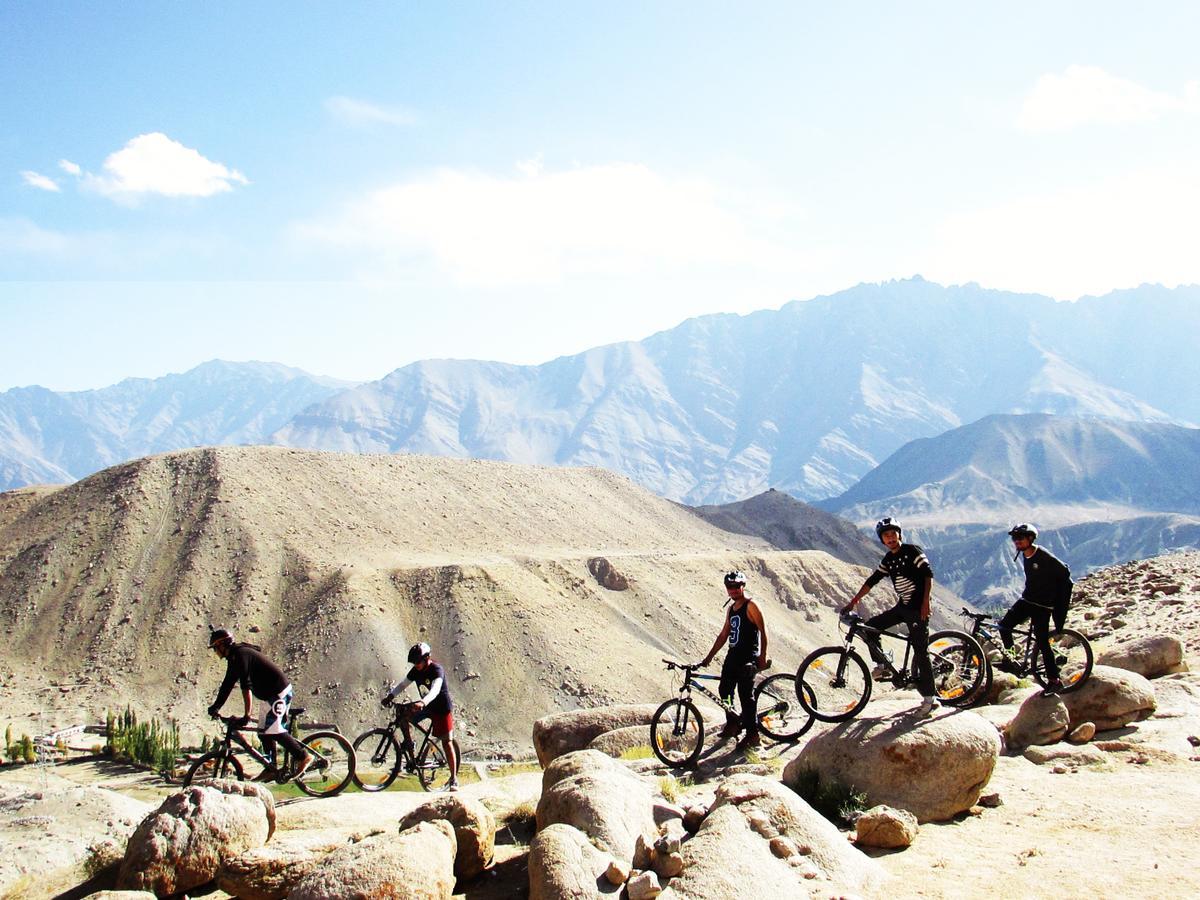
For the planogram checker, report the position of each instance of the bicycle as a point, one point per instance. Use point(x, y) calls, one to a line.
point(837, 681)
point(328, 774)
point(677, 729)
point(388, 757)
point(1072, 652)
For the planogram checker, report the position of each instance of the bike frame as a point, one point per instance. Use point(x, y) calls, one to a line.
point(861, 630)
point(394, 725)
point(988, 629)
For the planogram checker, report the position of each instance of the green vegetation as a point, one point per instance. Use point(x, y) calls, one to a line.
point(669, 787)
point(642, 752)
point(837, 802)
point(148, 744)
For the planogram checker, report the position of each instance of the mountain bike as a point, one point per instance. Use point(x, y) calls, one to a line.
point(837, 681)
point(330, 771)
point(381, 757)
point(1072, 652)
point(677, 729)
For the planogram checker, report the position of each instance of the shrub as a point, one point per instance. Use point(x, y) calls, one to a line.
point(28, 753)
point(149, 744)
point(839, 803)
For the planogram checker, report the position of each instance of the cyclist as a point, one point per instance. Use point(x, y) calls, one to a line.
point(1047, 593)
point(746, 633)
point(435, 704)
point(912, 577)
point(247, 665)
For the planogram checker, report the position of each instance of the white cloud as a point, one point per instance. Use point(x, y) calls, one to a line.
point(69, 167)
point(360, 112)
point(1084, 95)
point(41, 182)
point(1121, 232)
point(155, 164)
point(539, 226)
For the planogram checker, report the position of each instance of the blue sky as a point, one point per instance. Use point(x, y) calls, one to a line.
point(348, 188)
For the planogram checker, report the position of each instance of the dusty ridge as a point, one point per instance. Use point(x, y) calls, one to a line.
point(335, 563)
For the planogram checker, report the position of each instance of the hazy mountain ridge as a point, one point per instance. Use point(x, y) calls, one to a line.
point(52, 437)
point(807, 398)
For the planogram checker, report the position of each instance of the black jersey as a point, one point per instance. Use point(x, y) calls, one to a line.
point(745, 639)
point(909, 570)
point(246, 664)
point(1047, 579)
point(440, 703)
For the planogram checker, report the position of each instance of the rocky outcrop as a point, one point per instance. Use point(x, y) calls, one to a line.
point(619, 740)
point(597, 795)
point(181, 844)
point(886, 828)
point(563, 863)
point(933, 767)
point(273, 871)
point(574, 730)
point(1111, 698)
point(761, 840)
point(1041, 719)
point(1149, 656)
point(417, 864)
point(474, 829)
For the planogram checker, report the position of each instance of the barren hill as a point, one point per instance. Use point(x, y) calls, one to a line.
point(540, 588)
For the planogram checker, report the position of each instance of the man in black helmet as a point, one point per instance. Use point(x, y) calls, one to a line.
point(912, 577)
point(746, 633)
point(1047, 593)
point(435, 704)
point(247, 665)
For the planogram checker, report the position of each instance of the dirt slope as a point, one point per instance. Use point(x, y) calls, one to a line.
point(336, 563)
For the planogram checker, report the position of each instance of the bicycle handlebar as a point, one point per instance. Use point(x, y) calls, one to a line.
point(978, 617)
point(691, 667)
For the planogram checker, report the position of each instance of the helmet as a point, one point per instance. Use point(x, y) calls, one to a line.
point(417, 652)
point(219, 636)
point(887, 523)
point(1023, 530)
point(735, 579)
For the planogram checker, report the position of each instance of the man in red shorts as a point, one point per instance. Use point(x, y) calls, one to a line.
point(435, 705)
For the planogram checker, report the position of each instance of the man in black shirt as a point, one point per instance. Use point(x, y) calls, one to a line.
point(912, 577)
point(1047, 593)
point(435, 704)
point(246, 665)
point(746, 633)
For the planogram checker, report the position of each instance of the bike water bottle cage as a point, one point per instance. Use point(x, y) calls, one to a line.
point(887, 523)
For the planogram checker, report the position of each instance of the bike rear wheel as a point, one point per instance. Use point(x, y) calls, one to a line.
point(376, 759)
point(833, 684)
point(212, 766)
point(780, 716)
point(677, 733)
point(433, 769)
point(961, 674)
point(1073, 654)
point(332, 767)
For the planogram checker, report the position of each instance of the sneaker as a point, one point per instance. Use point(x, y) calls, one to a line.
point(1053, 686)
point(880, 673)
point(305, 762)
point(929, 705)
point(452, 784)
point(749, 741)
point(731, 729)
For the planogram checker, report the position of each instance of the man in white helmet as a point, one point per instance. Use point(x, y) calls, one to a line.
point(746, 633)
point(435, 704)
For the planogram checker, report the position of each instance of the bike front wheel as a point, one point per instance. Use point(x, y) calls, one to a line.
point(433, 769)
point(1073, 654)
point(677, 733)
point(833, 684)
point(780, 715)
point(332, 767)
point(214, 766)
point(376, 759)
point(961, 674)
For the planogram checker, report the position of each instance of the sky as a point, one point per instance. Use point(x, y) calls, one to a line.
point(347, 188)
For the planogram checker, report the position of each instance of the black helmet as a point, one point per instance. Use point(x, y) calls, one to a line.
point(735, 579)
point(417, 652)
point(1024, 530)
point(219, 636)
point(887, 523)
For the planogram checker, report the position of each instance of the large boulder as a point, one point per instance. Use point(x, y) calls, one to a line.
point(474, 829)
point(616, 742)
point(933, 767)
point(1149, 656)
point(1041, 719)
point(181, 844)
point(271, 872)
point(599, 796)
point(1111, 698)
point(563, 863)
point(760, 839)
point(417, 864)
point(565, 732)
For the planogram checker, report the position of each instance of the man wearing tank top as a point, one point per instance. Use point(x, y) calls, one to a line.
point(746, 634)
